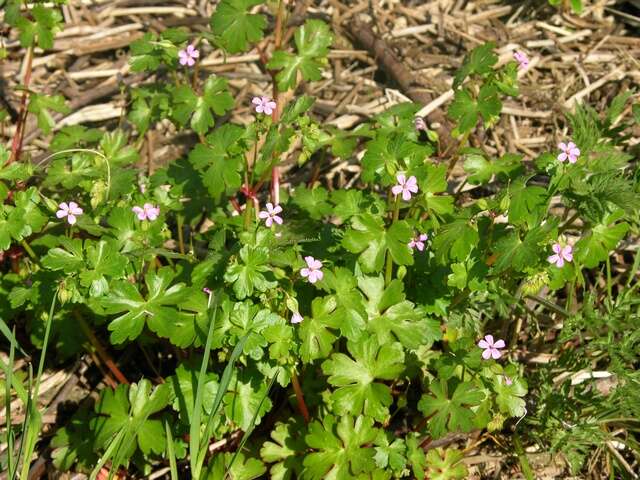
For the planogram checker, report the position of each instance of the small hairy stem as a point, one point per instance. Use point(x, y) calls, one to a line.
point(277, 43)
point(389, 267)
point(456, 154)
point(302, 406)
point(18, 137)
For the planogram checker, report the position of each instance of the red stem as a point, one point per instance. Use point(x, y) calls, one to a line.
point(302, 406)
point(18, 137)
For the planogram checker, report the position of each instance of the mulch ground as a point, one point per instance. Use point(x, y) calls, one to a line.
point(385, 52)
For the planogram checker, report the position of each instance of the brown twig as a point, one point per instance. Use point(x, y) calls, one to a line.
point(389, 62)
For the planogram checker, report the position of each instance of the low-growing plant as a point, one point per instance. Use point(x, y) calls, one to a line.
point(301, 330)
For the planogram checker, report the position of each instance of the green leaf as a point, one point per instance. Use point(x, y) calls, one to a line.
point(285, 451)
point(596, 245)
point(347, 203)
point(185, 384)
point(481, 170)
point(392, 317)
point(520, 254)
point(22, 220)
point(219, 163)
point(200, 109)
point(350, 314)
point(235, 26)
point(450, 413)
point(40, 105)
point(312, 201)
point(509, 398)
point(250, 320)
point(434, 188)
point(159, 308)
point(243, 400)
point(312, 41)
point(342, 449)
point(464, 110)
point(455, 240)
point(369, 238)
point(149, 52)
point(43, 29)
point(103, 259)
point(315, 334)
point(246, 273)
point(390, 455)
point(243, 468)
point(358, 392)
point(69, 259)
point(390, 152)
point(479, 61)
point(74, 443)
point(527, 205)
point(127, 409)
point(446, 464)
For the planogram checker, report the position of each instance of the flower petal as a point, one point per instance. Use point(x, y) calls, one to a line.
point(496, 354)
point(71, 219)
point(499, 344)
point(486, 354)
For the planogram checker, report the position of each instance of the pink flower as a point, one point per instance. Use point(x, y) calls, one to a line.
point(71, 211)
point(207, 290)
point(418, 242)
point(188, 56)
point(568, 152)
point(270, 215)
point(561, 254)
point(507, 380)
point(147, 212)
point(312, 271)
point(296, 318)
point(490, 348)
point(406, 186)
point(264, 105)
point(521, 58)
point(420, 123)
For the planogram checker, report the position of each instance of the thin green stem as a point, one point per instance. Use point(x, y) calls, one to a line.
point(180, 220)
point(609, 284)
point(34, 424)
point(29, 250)
point(527, 471)
point(566, 225)
point(634, 268)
